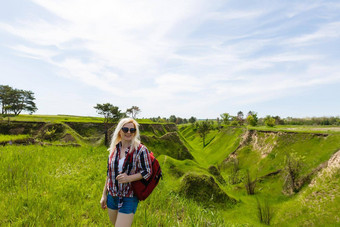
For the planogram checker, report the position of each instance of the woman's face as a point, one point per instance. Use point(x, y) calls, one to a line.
point(127, 136)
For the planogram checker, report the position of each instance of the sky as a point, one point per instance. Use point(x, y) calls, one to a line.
point(186, 58)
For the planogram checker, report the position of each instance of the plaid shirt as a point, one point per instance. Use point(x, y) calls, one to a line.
point(140, 164)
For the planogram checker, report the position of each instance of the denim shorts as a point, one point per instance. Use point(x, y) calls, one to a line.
point(129, 204)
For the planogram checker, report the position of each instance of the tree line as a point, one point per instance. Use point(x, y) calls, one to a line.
point(251, 118)
point(13, 101)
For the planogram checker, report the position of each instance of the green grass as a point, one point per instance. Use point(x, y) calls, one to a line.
point(315, 148)
point(54, 118)
point(316, 205)
point(51, 185)
point(63, 118)
point(219, 144)
point(13, 137)
point(62, 185)
point(333, 129)
point(47, 186)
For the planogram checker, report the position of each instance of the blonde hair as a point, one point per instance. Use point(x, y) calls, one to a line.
point(116, 138)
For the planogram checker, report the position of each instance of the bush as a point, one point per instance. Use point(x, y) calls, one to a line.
point(292, 172)
point(269, 121)
point(250, 184)
point(234, 123)
point(264, 212)
point(251, 120)
point(234, 172)
point(203, 189)
point(214, 171)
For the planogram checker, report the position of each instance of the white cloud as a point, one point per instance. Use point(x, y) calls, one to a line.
point(325, 32)
point(181, 54)
point(35, 53)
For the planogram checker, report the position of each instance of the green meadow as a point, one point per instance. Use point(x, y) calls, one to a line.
point(59, 179)
point(60, 118)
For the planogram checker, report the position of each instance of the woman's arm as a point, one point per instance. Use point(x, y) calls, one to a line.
point(124, 178)
point(143, 163)
point(105, 187)
point(104, 196)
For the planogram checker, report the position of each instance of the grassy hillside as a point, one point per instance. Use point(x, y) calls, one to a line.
point(263, 154)
point(202, 186)
point(219, 144)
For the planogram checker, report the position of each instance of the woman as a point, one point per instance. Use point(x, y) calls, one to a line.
point(118, 195)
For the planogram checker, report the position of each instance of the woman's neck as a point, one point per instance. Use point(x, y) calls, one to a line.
point(126, 144)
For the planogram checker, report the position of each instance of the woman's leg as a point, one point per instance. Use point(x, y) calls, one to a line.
point(124, 220)
point(112, 215)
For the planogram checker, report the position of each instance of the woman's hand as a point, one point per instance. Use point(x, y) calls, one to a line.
point(103, 202)
point(123, 178)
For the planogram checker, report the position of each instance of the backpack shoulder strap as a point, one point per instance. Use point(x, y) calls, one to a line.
point(129, 160)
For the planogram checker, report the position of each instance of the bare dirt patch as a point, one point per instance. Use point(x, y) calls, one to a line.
point(332, 129)
point(262, 144)
point(332, 166)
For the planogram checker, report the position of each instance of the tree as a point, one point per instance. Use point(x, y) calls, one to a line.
point(23, 100)
point(252, 118)
point(278, 120)
point(225, 118)
point(133, 111)
point(173, 118)
point(269, 121)
point(5, 98)
point(218, 123)
point(192, 119)
point(179, 120)
point(110, 113)
point(234, 121)
point(240, 117)
point(15, 101)
point(203, 128)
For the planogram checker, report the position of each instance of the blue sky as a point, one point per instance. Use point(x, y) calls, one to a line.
point(187, 58)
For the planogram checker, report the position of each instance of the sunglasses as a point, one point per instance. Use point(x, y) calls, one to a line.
point(126, 130)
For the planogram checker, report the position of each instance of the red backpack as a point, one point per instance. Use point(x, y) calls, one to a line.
point(143, 188)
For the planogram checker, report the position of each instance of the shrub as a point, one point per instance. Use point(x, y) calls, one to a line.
point(214, 171)
point(203, 189)
point(233, 177)
point(250, 184)
point(264, 212)
point(269, 121)
point(251, 120)
point(292, 172)
point(234, 123)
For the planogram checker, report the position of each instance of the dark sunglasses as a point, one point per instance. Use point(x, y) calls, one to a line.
point(125, 130)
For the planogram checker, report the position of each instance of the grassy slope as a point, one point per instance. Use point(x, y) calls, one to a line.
point(55, 190)
point(13, 137)
point(315, 205)
point(219, 144)
point(48, 185)
point(62, 186)
point(314, 148)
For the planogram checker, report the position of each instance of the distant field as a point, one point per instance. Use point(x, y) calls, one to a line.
point(55, 118)
point(300, 128)
point(63, 118)
point(12, 137)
